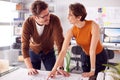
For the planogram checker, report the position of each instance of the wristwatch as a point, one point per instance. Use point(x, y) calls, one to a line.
point(60, 68)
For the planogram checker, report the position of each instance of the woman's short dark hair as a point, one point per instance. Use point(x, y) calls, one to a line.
point(38, 6)
point(78, 10)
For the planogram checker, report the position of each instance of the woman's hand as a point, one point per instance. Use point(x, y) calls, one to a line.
point(51, 74)
point(32, 71)
point(60, 71)
point(88, 74)
point(64, 73)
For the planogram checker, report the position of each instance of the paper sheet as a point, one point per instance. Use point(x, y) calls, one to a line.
point(43, 76)
point(21, 74)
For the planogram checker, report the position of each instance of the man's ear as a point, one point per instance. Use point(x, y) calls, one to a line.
point(35, 18)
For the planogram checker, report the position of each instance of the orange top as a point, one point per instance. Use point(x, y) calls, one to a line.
point(83, 37)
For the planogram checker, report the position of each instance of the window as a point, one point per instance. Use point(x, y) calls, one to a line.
point(7, 13)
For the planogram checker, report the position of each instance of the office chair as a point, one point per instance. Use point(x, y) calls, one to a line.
point(76, 50)
point(110, 55)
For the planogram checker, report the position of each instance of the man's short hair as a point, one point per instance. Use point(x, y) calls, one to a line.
point(38, 6)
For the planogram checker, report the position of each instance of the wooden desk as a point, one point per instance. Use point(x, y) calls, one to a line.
point(21, 74)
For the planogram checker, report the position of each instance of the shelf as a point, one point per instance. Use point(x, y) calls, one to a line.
point(23, 11)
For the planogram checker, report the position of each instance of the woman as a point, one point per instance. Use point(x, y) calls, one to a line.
point(87, 35)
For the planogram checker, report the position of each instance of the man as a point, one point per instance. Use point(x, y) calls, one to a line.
point(40, 32)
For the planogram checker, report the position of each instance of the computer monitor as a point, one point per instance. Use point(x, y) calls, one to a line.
point(111, 37)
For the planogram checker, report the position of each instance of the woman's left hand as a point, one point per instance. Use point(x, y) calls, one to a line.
point(88, 74)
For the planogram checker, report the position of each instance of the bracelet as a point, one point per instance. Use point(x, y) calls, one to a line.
point(93, 69)
point(60, 68)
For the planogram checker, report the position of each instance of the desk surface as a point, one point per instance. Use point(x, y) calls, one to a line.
point(21, 74)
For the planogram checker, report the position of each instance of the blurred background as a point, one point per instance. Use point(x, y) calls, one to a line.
point(13, 13)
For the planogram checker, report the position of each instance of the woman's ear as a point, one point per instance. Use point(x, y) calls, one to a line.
point(78, 18)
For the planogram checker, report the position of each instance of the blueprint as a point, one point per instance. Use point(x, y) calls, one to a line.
point(22, 74)
point(43, 76)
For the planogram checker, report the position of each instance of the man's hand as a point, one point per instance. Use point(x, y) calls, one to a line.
point(32, 71)
point(88, 74)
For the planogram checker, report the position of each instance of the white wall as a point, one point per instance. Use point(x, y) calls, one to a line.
point(61, 7)
point(101, 3)
point(85, 2)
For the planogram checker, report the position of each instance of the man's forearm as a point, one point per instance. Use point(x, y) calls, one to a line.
point(28, 62)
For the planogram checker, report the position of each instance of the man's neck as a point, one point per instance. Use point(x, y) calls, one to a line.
point(39, 24)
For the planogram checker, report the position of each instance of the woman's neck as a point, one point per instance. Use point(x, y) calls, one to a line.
point(80, 24)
